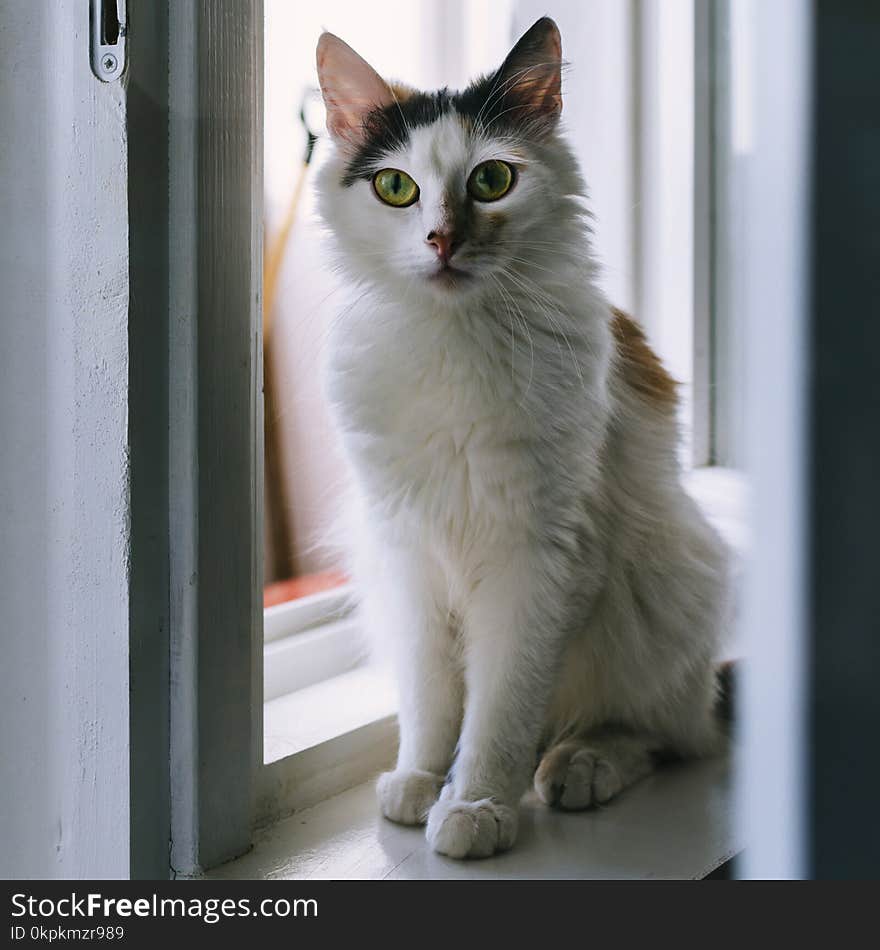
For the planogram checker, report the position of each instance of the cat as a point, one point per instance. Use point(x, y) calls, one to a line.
point(522, 541)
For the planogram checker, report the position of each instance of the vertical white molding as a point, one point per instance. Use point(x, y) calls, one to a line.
point(666, 188)
point(183, 403)
point(705, 163)
point(773, 778)
point(216, 77)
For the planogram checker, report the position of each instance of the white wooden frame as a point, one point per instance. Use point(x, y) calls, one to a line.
point(215, 456)
point(148, 425)
point(773, 768)
point(702, 444)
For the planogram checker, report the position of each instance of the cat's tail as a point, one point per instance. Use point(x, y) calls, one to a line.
point(727, 676)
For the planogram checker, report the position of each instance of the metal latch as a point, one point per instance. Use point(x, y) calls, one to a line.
point(108, 38)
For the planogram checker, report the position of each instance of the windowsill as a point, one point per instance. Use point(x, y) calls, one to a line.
point(678, 823)
point(327, 710)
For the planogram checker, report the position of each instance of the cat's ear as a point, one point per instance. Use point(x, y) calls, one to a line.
point(531, 76)
point(352, 89)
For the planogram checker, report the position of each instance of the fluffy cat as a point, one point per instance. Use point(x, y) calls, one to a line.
point(551, 595)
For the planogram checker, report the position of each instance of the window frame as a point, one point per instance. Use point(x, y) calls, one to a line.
point(705, 257)
point(213, 194)
point(719, 330)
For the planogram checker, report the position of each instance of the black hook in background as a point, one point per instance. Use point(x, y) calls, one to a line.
point(310, 100)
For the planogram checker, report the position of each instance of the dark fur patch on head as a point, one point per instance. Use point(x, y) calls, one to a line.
point(522, 96)
point(491, 102)
point(389, 127)
point(484, 104)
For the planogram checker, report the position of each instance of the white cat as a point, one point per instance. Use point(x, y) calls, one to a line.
point(522, 538)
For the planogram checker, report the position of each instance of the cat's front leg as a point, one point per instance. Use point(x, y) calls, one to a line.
point(430, 685)
point(513, 637)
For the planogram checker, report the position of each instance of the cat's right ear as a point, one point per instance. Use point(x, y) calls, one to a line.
point(352, 89)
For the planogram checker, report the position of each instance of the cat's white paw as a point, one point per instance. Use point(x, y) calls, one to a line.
point(407, 796)
point(462, 829)
point(573, 776)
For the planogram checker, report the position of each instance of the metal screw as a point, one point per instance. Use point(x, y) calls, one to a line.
point(109, 62)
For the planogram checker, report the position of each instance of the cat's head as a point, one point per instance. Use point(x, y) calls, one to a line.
point(445, 193)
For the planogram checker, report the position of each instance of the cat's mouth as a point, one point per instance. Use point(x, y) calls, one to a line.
point(448, 275)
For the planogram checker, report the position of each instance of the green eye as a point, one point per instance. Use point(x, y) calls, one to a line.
point(490, 181)
point(395, 188)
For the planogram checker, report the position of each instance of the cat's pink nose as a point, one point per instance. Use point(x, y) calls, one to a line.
point(443, 243)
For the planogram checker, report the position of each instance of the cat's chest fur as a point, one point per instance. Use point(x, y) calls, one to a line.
point(437, 425)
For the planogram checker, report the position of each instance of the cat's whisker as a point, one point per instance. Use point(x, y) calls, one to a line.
point(521, 260)
point(512, 335)
point(547, 306)
point(528, 332)
point(525, 325)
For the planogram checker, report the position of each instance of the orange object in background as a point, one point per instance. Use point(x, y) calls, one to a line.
point(280, 592)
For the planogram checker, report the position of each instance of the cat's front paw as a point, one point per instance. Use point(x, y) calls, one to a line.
point(573, 776)
point(462, 829)
point(406, 796)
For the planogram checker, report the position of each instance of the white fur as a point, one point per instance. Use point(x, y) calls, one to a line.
point(521, 539)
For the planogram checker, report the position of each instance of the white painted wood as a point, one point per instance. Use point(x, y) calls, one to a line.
point(325, 710)
point(183, 431)
point(310, 657)
point(773, 782)
point(704, 231)
point(666, 189)
point(215, 67)
point(733, 81)
point(64, 597)
point(325, 769)
point(150, 420)
point(305, 613)
point(678, 823)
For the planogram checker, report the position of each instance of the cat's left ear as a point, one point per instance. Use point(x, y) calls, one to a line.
point(531, 76)
point(352, 89)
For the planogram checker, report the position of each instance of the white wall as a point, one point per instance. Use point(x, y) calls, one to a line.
point(63, 432)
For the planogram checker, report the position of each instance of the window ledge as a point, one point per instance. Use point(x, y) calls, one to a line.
point(678, 823)
point(317, 714)
point(325, 738)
